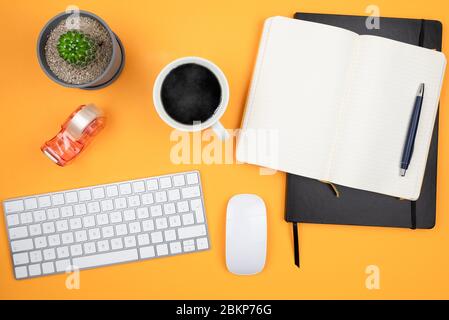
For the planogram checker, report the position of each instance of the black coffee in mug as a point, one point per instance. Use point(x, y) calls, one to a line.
point(191, 93)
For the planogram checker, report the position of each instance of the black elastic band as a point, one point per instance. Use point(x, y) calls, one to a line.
point(296, 244)
point(413, 212)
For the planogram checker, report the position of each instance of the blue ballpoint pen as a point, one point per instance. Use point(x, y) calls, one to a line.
point(412, 130)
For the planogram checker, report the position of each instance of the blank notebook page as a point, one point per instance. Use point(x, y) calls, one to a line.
point(376, 113)
point(295, 86)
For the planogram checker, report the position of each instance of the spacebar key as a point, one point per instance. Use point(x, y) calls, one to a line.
point(105, 259)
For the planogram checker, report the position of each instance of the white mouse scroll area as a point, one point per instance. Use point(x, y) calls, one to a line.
point(246, 245)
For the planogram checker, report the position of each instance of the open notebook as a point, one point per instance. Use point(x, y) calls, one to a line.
point(341, 105)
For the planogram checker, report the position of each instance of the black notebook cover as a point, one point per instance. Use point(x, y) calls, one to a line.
point(311, 201)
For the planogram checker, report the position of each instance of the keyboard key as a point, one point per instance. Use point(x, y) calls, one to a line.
point(174, 195)
point(189, 246)
point(71, 197)
point(175, 221)
point(139, 187)
point(188, 219)
point(143, 239)
point(54, 240)
point(152, 185)
point(49, 227)
point(125, 189)
point(85, 195)
point(161, 196)
point(34, 270)
point(169, 208)
point(117, 244)
point(179, 181)
point(108, 232)
point(107, 205)
point(102, 219)
point(63, 265)
point(156, 211)
point(147, 252)
point(170, 235)
point(22, 245)
point(191, 192)
point(147, 199)
point(202, 244)
point(183, 206)
point(62, 225)
point(197, 206)
point(120, 203)
point(13, 220)
point(67, 238)
point(76, 250)
point(18, 233)
point(165, 183)
point(40, 215)
point(75, 224)
point(80, 209)
point(89, 221)
point(106, 258)
point(81, 236)
point(44, 202)
point(161, 223)
point(63, 252)
point(35, 230)
point(156, 237)
point(130, 241)
point(48, 268)
point(53, 214)
point(112, 191)
point(98, 193)
point(148, 225)
point(20, 258)
point(66, 212)
point(49, 254)
point(134, 227)
point(192, 232)
point(21, 272)
point(192, 178)
point(93, 207)
point(94, 234)
point(90, 248)
point(103, 245)
point(26, 218)
point(36, 256)
point(31, 204)
point(143, 213)
point(162, 250)
point(134, 201)
point(115, 217)
point(129, 215)
point(40, 242)
point(175, 247)
point(121, 230)
point(57, 199)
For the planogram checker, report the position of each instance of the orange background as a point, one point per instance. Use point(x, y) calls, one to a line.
point(135, 144)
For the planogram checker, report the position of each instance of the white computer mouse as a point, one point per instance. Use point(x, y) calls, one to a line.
point(246, 234)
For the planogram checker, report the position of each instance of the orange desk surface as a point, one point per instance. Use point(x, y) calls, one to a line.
point(135, 144)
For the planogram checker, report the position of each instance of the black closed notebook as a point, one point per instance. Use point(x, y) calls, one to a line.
point(312, 201)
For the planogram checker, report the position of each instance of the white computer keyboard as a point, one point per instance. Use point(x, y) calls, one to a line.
point(107, 224)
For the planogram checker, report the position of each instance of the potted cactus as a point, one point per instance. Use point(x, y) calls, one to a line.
point(86, 55)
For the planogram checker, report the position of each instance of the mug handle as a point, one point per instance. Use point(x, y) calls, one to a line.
point(220, 131)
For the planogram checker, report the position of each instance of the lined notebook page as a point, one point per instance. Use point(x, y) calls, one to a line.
point(376, 113)
point(296, 84)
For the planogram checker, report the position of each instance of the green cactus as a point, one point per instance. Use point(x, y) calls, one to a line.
point(76, 48)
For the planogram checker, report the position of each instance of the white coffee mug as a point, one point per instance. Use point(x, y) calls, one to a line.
point(214, 121)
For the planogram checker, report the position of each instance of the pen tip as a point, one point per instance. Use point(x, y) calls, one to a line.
point(403, 171)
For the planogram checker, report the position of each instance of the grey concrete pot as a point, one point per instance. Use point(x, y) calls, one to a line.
point(111, 73)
